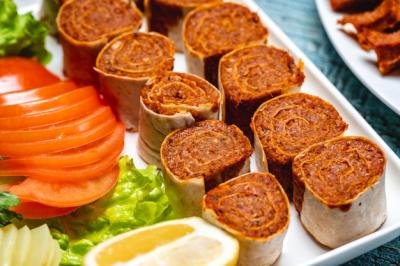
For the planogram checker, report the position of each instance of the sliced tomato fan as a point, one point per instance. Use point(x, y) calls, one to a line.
point(62, 138)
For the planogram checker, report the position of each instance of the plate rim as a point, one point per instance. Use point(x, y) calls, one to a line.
point(385, 100)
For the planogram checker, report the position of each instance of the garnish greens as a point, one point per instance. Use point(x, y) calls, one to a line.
point(21, 34)
point(139, 199)
point(7, 200)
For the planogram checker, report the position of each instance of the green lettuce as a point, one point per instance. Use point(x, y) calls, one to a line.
point(21, 34)
point(7, 200)
point(139, 199)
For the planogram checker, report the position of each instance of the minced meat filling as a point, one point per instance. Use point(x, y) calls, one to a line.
point(336, 171)
point(204, 150)
point(137, 55)
point(252, 204)
point(179, 92)
point(91, 20)
point(288, 124)
point(217, 29)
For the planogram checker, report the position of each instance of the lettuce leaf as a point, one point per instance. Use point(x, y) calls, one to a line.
point(139, 199)
point(7, 200)
point(21, 34)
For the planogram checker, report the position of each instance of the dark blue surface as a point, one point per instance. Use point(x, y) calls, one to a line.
point(299, 20)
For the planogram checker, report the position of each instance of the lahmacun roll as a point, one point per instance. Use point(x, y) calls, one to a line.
point(286, 125)
point(126, 64)
point(166, 17)
point(339, 189)
point(172, 101)
point(254, 209)
point(85, 27)
point(250, 75)
point(200, 157)
point(210, 31)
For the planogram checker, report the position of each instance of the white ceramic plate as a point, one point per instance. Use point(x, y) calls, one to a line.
point(361, 63)
point(299, 247)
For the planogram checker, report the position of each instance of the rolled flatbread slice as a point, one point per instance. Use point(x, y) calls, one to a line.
point(126, 64)
point(286, 125)
point(166, 17)
point(254, 209)
point(210, 31)
point(339, 189)
point(85, 27)
point(200, 157)
point(173, 101)
point(250, 75)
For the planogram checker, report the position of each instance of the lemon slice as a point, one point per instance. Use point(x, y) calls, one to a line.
point(190, 241)
point(7, 244)
point(25, 247)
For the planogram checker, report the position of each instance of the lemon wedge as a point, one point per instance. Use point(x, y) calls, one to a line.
point(189, 241)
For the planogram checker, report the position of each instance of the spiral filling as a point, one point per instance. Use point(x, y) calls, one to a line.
point(137, 55)
point(258, 72)
point(219, 28)
point(253, 205)
point(178, 92)
point(288, 124)
point(337, 171)
point(205, 150)
point(91, 20)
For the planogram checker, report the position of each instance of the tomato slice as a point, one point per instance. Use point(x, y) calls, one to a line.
point(81, 156)
point(62, 114)
point(69, 97)
point(59, 130)
point(66, 173)
point(66, 194)
point(19, 73)
point(34, 210)
point(58, 144)
point(36, 94)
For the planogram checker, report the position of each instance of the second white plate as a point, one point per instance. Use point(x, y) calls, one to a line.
point(360, 62)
